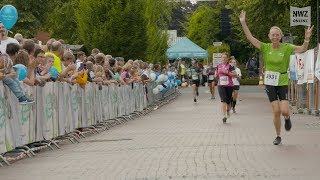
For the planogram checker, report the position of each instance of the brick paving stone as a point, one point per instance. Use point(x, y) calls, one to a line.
point(187, 140)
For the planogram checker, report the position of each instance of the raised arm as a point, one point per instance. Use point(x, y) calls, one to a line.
point(304, 46)
point(255, 42)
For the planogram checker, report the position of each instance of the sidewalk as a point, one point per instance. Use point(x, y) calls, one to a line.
point(187, 140)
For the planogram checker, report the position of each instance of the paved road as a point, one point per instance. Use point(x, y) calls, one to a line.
point(187, 140)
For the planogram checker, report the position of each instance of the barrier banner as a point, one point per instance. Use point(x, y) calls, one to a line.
point(88, 111)
point(60, 108)
point(105, 96)
point(49, 110)
point(27, 116)
point(3, 118)
point(97, 104)
point(83, 113)
point(75, 107)
point(113, 99)
point(120, 109)
point(63, 108)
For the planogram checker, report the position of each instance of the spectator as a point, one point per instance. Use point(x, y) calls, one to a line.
point(100, 59)
point(91, 74)
point(112, 63)
point(40, 59)
point(12, 50)
point(42, 71)
point(48, 46)
point(120, 61)
point(94, 52)
point(68, 68)
point(19, 38)
point(91, 59)
point(9, 78)
point(125, 75)
point(253, 67)
point(109, 75)
point(30, 46)
point(56, 52)
point(81, 56)
point(4, 39)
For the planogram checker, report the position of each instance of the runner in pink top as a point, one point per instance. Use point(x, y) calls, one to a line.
point(225, 72)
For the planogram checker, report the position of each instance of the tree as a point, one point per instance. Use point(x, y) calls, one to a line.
point(203, 26)
point(61, 21)
point(261, 17)
point(31, 15)
point(157, 14)
point(116, 27)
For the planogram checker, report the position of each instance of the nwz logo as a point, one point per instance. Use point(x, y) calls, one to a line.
point(300, 13)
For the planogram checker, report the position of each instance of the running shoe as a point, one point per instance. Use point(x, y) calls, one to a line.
point(212, 97)
point(195, 100)
point(234, 110)
point(287, 124)
point(25, 100)
point(277, 141)
point(224, 120)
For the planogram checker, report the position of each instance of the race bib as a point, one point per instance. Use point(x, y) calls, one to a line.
point(224, 80)
point(211, 77)
point(195, 77)
point(271, 78)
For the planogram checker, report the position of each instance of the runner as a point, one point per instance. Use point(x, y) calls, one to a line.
point(195, 72)
point(211, 79)
point(225, 72)
point(276, 57)
point(236, 83)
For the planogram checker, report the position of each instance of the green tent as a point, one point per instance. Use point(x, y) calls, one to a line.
point(185, 48)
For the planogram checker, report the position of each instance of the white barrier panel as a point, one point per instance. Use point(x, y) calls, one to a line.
point(75, 107)
point(60, 108)
point(49, 109)
point(98, 104)
point(3, 118)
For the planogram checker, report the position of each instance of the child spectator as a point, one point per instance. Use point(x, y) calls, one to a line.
point(9, 78)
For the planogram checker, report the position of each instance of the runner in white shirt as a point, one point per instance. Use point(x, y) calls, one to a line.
point(236, 83)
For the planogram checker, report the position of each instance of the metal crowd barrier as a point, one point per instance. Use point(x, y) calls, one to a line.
point(304, 97)
point(65, 112)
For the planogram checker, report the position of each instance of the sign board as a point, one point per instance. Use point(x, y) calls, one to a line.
point(300, 16)
point(172, 37)
point(217, 43)
point(216, 59)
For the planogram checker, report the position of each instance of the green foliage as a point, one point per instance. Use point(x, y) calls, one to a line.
point(261, 17)
point(31, 15)
point(61, 22)
point(203, 26)
point(116, 27)
point(156, 24)
point(249, 81)
point(215, 49)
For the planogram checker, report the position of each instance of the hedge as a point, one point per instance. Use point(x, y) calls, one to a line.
point(252, 81)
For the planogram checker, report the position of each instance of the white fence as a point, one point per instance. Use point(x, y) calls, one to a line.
point(61, 108)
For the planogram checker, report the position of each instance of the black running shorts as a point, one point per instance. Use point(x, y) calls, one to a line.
point(196, 82)
point(277, 93)
point(225, 93)
point(236, 87)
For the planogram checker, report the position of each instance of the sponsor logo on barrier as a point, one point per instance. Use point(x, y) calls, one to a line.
point(49, 107)
point(2, 112)
point(25, 114)
point(75, 102)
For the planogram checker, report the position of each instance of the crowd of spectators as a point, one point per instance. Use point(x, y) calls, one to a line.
point(53, 62)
